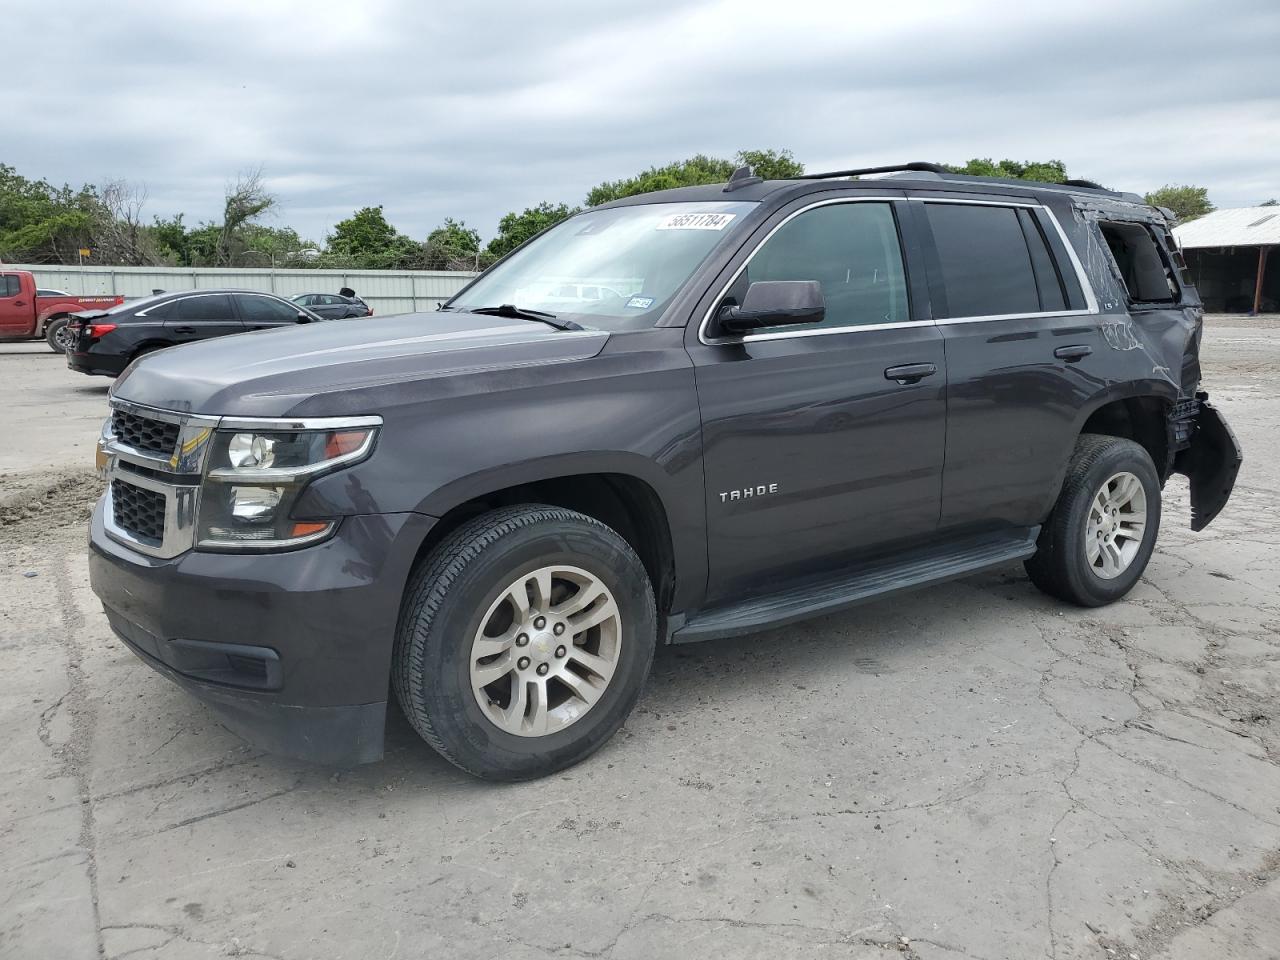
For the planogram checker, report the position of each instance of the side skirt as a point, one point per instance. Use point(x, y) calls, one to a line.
point(848, 587)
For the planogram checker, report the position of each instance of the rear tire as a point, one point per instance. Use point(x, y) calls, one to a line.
point(1097, 541)
point(524, 640)
point(55, 334)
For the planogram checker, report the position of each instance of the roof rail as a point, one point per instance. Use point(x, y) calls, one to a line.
point(918, 165)
point(1090, 184)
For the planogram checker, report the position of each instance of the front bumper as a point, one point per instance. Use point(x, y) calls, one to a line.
point(292, 650)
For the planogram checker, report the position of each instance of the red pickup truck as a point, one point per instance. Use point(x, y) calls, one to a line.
point(26, 315)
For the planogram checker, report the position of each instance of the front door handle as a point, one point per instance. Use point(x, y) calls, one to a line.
point(184, 330)
point(1073, 353)
point(910, 372)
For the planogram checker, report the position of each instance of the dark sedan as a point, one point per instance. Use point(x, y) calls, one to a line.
point(334, 306)
point(104, 342)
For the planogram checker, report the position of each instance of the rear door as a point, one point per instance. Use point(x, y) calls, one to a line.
point(200, 317)
point(813, 449)
point(1023, 352)
point(260, 312)
point(17, 309)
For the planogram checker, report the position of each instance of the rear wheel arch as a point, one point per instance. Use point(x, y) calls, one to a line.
point(1143, 419)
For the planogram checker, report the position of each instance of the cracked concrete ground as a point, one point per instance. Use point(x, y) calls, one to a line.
point(975, 771)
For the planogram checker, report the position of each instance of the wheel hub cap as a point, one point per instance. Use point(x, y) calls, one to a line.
point(546, 650)
point(1116, 525)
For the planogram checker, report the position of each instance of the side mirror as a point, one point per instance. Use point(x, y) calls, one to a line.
point(304, 317)
point(774, 303)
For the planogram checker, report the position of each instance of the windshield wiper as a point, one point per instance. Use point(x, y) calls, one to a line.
point(521, 313)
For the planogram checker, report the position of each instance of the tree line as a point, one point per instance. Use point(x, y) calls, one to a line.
point(43, 223)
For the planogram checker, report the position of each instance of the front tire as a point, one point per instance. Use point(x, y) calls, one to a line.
point(1097, 541)
point(524, 641)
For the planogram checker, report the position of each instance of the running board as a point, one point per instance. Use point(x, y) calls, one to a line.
point(833, 592)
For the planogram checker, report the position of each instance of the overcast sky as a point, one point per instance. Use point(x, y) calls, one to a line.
point(472, 110)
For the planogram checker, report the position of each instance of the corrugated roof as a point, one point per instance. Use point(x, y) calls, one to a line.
point(1239, 227)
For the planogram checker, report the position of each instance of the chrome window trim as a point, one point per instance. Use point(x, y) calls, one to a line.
point(787, 334)
point(1091, 300)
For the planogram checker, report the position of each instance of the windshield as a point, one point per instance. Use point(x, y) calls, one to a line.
point(612, 269)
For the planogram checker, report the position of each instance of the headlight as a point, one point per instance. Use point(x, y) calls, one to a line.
point(256, 473)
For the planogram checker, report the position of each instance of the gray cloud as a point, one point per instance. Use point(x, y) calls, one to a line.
point(473, 111)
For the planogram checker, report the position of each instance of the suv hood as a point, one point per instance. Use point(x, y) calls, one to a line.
point(330, 367)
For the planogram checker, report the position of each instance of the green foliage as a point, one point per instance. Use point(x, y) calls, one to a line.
point(367, 241)
point(1047, 171)
point(172, 240)
point(453, 246)
point(515, 228)
point(40, 223)
point(683, 173)
point(698, 170)
point(1186, 201)
point(771, 164)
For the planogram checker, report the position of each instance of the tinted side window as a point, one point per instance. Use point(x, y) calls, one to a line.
point(10, 286)
point(986, 267)
point(160, 312)
point(851, 249)
point(213, 307)
point(1048, 279)
point(266, 310)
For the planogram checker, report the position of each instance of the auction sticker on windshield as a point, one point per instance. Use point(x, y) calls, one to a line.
point(696, 221)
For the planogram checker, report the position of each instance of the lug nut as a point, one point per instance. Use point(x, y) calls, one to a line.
point(539, 623)
point(542, 669)
point(522, 640)
point(559, 651)
point(558, 629)
point(523, 663)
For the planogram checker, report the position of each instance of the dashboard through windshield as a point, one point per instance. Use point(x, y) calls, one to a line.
point(613, 269)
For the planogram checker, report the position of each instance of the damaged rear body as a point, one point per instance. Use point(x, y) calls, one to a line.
point(1150, 322)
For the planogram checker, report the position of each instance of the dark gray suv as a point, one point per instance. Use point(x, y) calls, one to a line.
point(689, 414)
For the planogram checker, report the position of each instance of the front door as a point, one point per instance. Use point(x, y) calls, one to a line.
point(17, 311)
point(261, 312)
point(817, 444)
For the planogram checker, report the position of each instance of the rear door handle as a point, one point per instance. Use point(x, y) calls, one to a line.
point(184, 329)
point(910, 372)
point(1073, 353)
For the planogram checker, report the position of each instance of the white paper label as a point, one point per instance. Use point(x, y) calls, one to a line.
point(696, 221)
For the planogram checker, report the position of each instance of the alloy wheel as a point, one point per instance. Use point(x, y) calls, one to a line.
point(545, 650)
point(1115, 526)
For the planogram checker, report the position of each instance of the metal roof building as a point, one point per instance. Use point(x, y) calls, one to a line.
point(1229, 255)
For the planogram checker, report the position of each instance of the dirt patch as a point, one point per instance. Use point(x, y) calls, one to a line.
point(32, 503)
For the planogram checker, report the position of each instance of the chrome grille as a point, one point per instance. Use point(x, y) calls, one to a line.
point(138, 511)
point(156, 437)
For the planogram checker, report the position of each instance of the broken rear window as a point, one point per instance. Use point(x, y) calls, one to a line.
point(1146, 274)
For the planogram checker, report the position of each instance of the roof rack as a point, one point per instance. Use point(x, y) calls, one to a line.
point(917, 165)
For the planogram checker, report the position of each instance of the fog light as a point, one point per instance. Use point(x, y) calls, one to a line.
point(255, 504)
